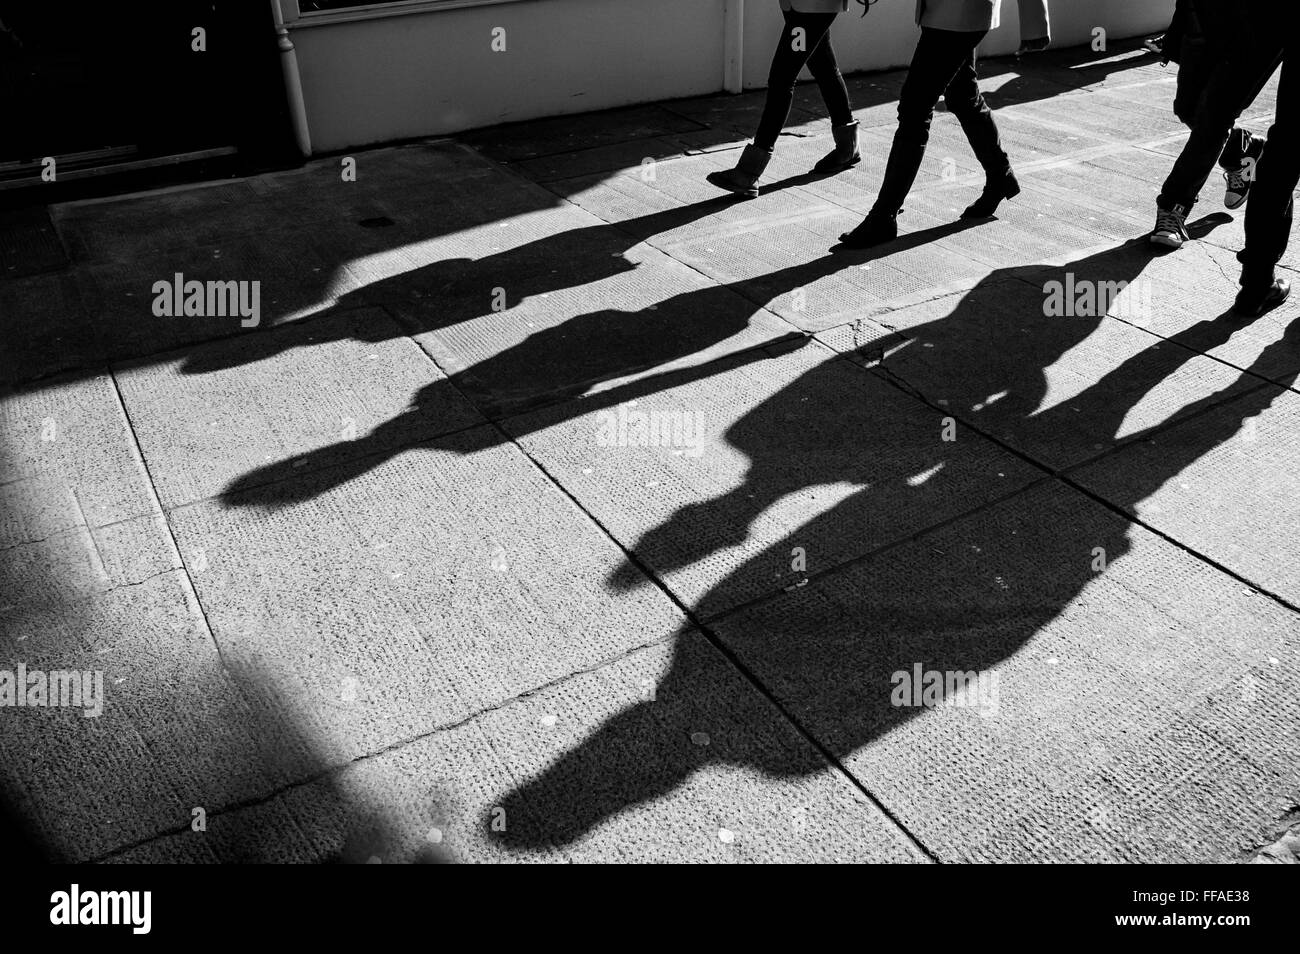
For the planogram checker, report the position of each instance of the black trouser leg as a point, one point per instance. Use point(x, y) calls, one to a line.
point(1234, 85)
point(966, 102)
point(1268, 217)
point(826, 71)
point(939, 56)
point(803, 34)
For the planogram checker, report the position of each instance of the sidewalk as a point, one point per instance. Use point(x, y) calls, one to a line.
point(558, 508)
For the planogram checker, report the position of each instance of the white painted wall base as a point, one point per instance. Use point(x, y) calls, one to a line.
point(435, 71)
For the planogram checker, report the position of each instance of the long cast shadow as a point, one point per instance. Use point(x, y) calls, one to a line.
point(827, 651)
point(568, 361)
point(458, 290)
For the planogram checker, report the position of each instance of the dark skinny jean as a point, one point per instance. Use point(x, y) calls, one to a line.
point(806, 41)
point(1217, 81)
point(943, 65)
point(1269, 215)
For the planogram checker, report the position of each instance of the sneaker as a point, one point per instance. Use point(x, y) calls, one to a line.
point(1255, 301)
point(1171, 227)
point(1238, 187)
point(1241, 178)
point(1155, 44)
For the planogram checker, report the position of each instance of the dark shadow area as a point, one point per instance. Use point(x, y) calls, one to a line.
point(828, 679)
point(564, 362)
point(459, 290)
point(66, 329)
point(199, 733)
point(301, 812)
point(962, 598)
point(23, 843)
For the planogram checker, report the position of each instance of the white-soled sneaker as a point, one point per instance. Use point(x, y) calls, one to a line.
point(1171, 227)
point(1238, 189)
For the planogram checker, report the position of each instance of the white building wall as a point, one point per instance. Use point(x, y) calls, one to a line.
point(377, 76)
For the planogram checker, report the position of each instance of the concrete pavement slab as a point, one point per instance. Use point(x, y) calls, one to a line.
point(591, 769)
point(646, 314)
point(699, 478)
point(1225, 478)
point(172, 731)
point(1138, 170)
point(1073, 654)
point(634, 155)
point(1160, 799)
point(528, 140)
point(1231, 237)
point(371, 639)
point(206, 417)
point(67, 459)
point(1060, 388)
point(393, 181)
point(1122, 63)
point(406, 591)
point(121, 228)
point(49, 331)
point(323, 234)
point(81, 562)
point(1103, 115)
point(1255, 717)
point(445, 279)
point(1192, 294)
point(656, 758)
point(29, 243)
point(124, 297)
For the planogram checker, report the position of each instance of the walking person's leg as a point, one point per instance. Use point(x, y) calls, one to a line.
point(938, 57)
point(1189, 47)
point(1269, 216)
point(802, 35)
point(966, 102)
point(1244, 148)
point(1213, 139)
point(1035, 26)
point(1232, 87)
point(835, 93)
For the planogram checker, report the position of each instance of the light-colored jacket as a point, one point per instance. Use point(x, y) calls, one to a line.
point(815, 6)
point(961, 15)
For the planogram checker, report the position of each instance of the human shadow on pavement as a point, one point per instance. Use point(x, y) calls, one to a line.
point(961, 598)
point(566, 361)
point(456, 290)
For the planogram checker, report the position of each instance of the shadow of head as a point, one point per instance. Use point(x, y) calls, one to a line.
point(984, 363)
point(957, 600)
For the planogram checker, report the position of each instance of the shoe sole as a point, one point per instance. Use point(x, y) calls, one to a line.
point(1233, 204)
point(747, 193)
point(850, 243)
point(842, 167)
point(971, 214)
point(1167, 241)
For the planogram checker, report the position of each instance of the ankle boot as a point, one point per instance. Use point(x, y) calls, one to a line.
point(1255, 299)
point(846, 153)
point(876, 229)
point(905, 158)
point(997, 188)
point(743, 180)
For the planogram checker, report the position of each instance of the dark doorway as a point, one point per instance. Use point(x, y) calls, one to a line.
point(101, 85)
